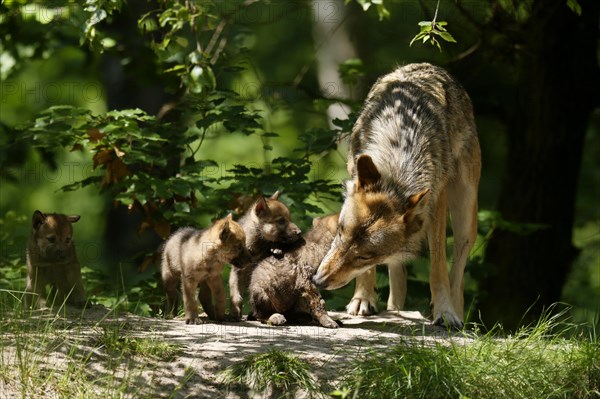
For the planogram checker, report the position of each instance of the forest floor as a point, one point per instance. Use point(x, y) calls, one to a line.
point(113, 353)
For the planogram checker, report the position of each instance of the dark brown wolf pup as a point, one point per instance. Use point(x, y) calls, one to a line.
point(191, 257)
point(283, 286)
point(52, 261)
point(268, 227)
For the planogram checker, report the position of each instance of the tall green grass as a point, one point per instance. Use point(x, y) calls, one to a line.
point(542, 361)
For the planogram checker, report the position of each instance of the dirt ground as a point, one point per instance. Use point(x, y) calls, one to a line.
point(207, 349)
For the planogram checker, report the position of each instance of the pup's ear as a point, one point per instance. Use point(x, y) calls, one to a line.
point(368, 175)
point(417, 203)
point(37, 220)
point(261, 208)
point(225, 231)
point(73, 218)
point(275, 196)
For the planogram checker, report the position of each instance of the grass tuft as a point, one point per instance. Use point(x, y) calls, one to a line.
point(281, 373)
point(541, 361)
point(117, 339)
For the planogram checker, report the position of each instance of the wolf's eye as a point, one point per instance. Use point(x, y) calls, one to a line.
point(281, 221)
point(365, 257)
point(51, 239)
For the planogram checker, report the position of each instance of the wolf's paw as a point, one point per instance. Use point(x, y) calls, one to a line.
point(277, 319)
point(193, 320)
point(394, 306)
point(449, 320)
point(328, 322)
point(361, 307)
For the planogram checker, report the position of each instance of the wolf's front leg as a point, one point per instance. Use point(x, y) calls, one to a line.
point(205, 298)
point(237, 285)
point(218, 292)
point(364, 301)
point(311, 299)
point(398, 277)
point(189, 286)
point(35, 292)
point(72, 285)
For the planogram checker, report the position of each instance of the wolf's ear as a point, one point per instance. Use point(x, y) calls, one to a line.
point(368, 175)
point(275, 196)
point(73, 218)
point(417, 202)
point(225, 231)
point(37, 220)
point(261, 208)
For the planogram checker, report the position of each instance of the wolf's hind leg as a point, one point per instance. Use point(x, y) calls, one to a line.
point(462, 202)
point(439, 282)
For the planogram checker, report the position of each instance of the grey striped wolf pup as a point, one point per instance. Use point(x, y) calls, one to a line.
point(193, 257)
point(269, 228)
point(282, 287)
point(52, 261)
point(414, 155)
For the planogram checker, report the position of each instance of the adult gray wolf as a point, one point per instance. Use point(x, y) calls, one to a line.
point(414, 154)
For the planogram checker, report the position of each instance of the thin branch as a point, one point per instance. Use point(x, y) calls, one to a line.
point(467, 52)
point(215, 36)
point(437, 8)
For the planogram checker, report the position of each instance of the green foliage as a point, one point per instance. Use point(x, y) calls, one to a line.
point(152, 165)
point(382, 11)
point(12, 251)
point(279, 371)
point(429, 32)
point(492, 220)
point(574, 6)
point(351, 71)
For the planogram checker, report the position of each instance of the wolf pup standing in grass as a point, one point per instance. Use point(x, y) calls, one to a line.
point(51, 260)
point(281, 286)
point(268, 227)
point(193, 257)
point(414, 155)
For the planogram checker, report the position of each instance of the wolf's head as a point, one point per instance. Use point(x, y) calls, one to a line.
point(273, 221)
point(233, 242)
point(376, 222)
point(52, 237)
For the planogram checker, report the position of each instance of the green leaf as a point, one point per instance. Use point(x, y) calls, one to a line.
point(574, 6)
point(447, 37)
point(182, 207)
point(365, 4)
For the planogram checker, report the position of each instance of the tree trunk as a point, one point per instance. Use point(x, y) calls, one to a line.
point(559, 76)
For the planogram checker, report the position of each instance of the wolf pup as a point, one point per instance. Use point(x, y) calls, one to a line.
point(268, 229)
point(284, 285)
point(51, 260)
point(193, 257)
point(414, 154)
